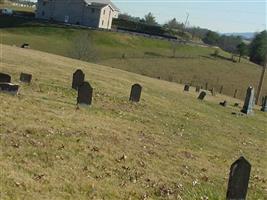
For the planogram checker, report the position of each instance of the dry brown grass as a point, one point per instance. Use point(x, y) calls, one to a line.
point(116, 149)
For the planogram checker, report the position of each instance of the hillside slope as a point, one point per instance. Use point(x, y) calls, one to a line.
point(169, 146)
point(142, 55)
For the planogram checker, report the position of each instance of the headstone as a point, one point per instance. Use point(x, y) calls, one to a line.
point(202, 95)
point(26, 78)
point(25, 45)
point(213, 92)
point(224, 104)
point(221, 89)
point(135, 93)
point(249, 101)
point(5, 78)
point(186, 88)
point(238, 180)
point(77, 79)
point(235, 94)
point(264, 105)
point(198, 89)
point(9, 88)
point(85, 94)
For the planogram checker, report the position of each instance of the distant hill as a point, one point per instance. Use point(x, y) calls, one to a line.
point(247, 35)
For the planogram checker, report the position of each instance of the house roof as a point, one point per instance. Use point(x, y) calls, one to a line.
point(103, 2)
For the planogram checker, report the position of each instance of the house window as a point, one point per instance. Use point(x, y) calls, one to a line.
point(93, 10)
point(102, 22)
point(43, 13)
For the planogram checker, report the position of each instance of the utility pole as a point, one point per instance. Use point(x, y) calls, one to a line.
point(187, 16)
point(261, 81)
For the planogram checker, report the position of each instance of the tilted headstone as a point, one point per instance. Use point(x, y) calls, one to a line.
point(186, 88)
point(26, 78)
point(264, 105)
point(238, 180)
point(221, 89)
point(249, 101)
point(9, 88)
point(135, 93)
point(77, 79)
point(85, 94)
point(202, 95)
point(213, 92)
point(5, 78)
point(198, 89)
point(224, 104)
point(235, 94)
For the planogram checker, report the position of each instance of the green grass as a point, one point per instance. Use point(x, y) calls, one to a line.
point(51, 150)
point(142, 55)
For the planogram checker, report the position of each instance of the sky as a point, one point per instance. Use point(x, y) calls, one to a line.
point(223, 16)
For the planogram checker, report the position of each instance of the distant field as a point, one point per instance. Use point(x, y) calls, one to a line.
point(150, 57)
point(169, 146)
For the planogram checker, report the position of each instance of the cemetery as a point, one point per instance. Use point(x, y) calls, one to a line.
point(86, 131)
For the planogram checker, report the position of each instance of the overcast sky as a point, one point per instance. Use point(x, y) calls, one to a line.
point(218, 15)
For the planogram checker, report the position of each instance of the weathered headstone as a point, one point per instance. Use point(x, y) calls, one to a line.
point(5, 78)
point(202, 95)
point(186, 88)
point(9, 88)
point(85, 94)
point(264, 104)
point(135, 93)
point(213, 92)
point(224, 104)
point(77, 79)
point(235, 94)
point(221, 89)
point(198, 89)
point(238, 180)
point(249, 101)
point(26, 78)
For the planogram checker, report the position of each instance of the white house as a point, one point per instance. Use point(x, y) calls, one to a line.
point(92, 13)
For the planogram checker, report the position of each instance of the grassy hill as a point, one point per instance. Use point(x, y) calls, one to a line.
point(142, 55)
point(170, 146)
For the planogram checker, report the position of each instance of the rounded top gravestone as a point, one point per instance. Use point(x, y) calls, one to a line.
point(135, 93)
point(85, 94)
point(186, 88)
point(77, 79)
point(202, 95)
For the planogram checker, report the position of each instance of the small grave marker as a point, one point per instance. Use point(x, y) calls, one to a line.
point(26, 78)
point(25, 45)
point(202, 95)
point(264, 104)
point(77, 79)
point(135, 93)
point(9, 88)
point(238, 180)
point(85, 94)
point(186, 88)
point(249, 101)
point(5, 78)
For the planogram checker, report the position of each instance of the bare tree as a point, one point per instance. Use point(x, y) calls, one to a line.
point(82, 47)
